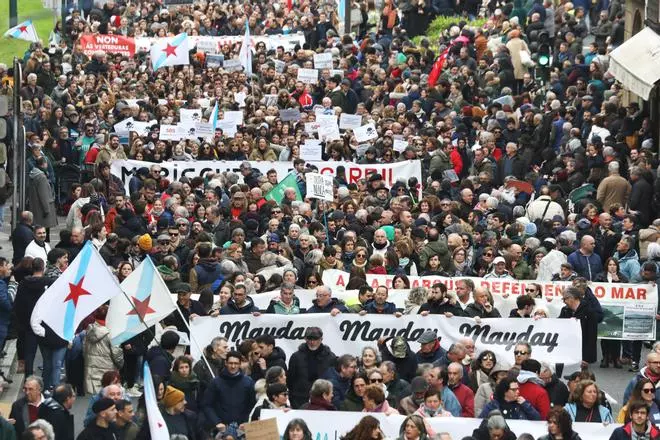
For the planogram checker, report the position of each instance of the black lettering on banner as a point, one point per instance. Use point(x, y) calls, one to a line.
point(361, 330)
point(482, 333)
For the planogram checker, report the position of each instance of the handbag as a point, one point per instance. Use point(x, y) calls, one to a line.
point(526, 59)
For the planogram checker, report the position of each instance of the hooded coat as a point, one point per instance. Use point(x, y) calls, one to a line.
point(406, 367)
point(533, 390)
point(305, 366)
point(41, 199)
point(100, 356)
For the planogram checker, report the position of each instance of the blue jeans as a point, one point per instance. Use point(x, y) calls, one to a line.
point(53, 363)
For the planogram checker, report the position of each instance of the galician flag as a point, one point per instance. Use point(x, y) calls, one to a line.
point(24, 31)
point(172, 51)
point(214, 116)
point(83, 287)
point(157, 427)
point(245, 55)
point(150, 301)
point(277, 193)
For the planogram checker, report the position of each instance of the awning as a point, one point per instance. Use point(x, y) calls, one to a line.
point(636, 63)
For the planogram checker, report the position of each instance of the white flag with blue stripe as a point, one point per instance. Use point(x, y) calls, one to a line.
point(150, 301)
point(24, 31)
point(172, 51)
point(83, 287)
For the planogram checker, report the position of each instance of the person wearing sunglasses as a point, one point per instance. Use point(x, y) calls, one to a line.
point(643, 391)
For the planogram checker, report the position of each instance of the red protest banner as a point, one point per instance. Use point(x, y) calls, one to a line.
point(108, 44)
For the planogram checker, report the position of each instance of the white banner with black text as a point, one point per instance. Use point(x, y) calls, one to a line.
point(552, 340)
point(458, 427)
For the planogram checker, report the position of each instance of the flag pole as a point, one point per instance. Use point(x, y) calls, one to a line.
point(194, 341)
point(176, 306)
point(148, 328)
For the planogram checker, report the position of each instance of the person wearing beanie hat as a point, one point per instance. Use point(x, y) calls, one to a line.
point(160, 357)
point(145, 243)
point(176, 417)
point(277, 397)
point(173, 398)
point(103, 426)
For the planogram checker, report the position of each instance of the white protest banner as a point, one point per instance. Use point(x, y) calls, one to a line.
point(319, 186)
point(339, 72)
point(207, 45)
point(323, 60)
point(215, 61)
point(629, 309)
point(239, 98)
point(204, 129)
point(289, 114)
point(232, 65)
point(457, 427)
point(329, 132)
point(174, 170)
point(169, 133)
point(234, 116)
point(308, 76)
point(228, 127)
point(190, 115)
point(310, 151)
point(142, 128)
point(270, 100)
point(279, 66)
point(347, 121)
point(400, 145)
point(187, 130)
point(365, 133)
point(326, 120)
point(552, 340)
point(311, 127)
point(124, 127)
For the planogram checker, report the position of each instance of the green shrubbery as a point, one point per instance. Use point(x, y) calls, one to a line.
point(440, 25)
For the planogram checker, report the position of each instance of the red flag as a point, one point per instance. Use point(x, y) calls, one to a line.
point(437, 68)
point(289, 5)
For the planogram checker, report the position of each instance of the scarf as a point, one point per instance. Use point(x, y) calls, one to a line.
point(460, 267)
point(381, 246)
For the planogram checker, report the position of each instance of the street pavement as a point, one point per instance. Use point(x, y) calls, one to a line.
point(611, 380)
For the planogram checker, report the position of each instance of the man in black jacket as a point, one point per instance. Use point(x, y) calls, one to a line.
point(307, 364)
point(55, 411)
point(26, 409)
point(269, 356)
point(22, 236)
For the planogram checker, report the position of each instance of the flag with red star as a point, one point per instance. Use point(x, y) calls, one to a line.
point(83, 287)
point(147, 300)
point(23, 31)
point(170, 51)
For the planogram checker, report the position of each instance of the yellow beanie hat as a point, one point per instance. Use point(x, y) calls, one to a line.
point(144, 242)
point(172, 396)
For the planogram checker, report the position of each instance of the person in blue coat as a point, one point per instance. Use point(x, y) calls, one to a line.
point(341, 377)
point(230, 397)
point(510, 403)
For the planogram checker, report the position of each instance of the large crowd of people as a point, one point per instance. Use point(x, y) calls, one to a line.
point(529, 171)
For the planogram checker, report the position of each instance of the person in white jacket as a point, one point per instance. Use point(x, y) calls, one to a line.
point(544, 208)
point(38, 248)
